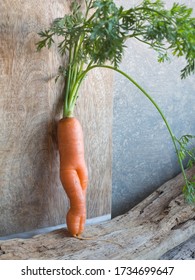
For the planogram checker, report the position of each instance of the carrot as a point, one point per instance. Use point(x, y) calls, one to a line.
point(73, 172)
point(90, 40)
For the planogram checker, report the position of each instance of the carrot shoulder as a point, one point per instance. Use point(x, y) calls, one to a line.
point(73, 172)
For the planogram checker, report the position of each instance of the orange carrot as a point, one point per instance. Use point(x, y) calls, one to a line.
point(73, 172)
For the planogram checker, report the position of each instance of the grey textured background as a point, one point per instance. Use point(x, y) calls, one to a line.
point(143, 153)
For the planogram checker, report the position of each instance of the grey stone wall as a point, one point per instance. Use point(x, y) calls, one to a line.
point(143, 153)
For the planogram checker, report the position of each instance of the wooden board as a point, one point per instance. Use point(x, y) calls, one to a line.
point(159, 223)
point(31, 195)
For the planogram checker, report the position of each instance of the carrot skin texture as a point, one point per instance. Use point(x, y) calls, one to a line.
point(73, 172)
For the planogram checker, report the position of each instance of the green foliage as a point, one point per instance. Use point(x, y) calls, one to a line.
point(102, 36)
point(104, 40)
point(189, 191)
point(185, 152)
point(166, 31)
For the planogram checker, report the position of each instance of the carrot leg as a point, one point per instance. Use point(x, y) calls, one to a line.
point(77, 196)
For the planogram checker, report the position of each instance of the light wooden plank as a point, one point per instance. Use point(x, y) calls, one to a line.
point(30, 105)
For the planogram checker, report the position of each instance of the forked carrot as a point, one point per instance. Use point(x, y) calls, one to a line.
point(97, 39)
point(73, 172)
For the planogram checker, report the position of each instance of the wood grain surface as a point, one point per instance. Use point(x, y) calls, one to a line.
point(159, 223)
point(31, 195)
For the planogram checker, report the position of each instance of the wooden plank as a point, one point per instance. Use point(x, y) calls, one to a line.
point(156, 225)
point(30, 105)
